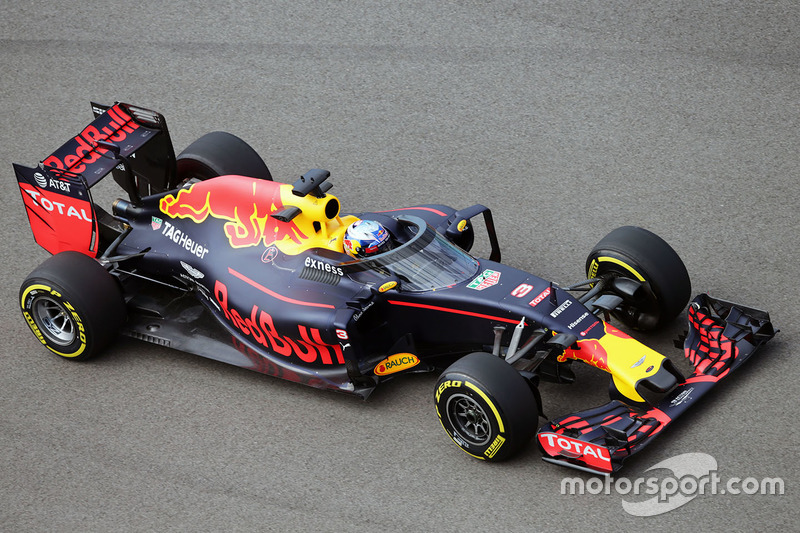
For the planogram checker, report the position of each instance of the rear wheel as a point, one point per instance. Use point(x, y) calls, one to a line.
point(486, 407)
point(218, 154)
point(73, 305)
point(638, 254)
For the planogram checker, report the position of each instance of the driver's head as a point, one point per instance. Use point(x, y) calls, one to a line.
point(365, 238)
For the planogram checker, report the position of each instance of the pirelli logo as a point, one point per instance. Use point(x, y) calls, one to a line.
point(491, 450)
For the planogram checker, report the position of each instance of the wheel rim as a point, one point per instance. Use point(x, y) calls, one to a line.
point(54, 321)
point(469, 419)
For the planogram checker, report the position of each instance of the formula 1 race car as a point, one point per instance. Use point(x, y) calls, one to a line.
point(208, 255)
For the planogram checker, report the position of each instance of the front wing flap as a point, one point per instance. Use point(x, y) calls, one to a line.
point(722, 336)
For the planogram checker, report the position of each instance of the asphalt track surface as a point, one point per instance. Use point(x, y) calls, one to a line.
point(566, 118)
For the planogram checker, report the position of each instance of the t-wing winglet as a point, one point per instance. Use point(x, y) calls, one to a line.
point(312, 183)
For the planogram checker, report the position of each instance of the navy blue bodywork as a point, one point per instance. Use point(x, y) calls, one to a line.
point(253, 273)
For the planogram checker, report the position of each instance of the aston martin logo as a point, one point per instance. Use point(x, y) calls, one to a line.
point(192, 271)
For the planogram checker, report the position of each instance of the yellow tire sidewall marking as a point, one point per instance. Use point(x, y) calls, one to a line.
point(67, 307)
point(623, 264)
point(486, 399)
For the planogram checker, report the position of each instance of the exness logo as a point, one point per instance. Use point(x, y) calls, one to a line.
point(691, 475)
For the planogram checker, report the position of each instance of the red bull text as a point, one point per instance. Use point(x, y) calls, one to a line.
point(259, 327)
point(84, 148)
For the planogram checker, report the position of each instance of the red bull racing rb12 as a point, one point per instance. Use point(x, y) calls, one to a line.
point(206, 254)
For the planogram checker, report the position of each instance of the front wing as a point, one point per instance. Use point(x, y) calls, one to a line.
point(722, 336)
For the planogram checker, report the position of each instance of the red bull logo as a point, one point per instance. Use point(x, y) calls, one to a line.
point(595, 352)
point(246, 204)
point(83, 150)
point(590, 351)
point(260, 328)
point(618, 354)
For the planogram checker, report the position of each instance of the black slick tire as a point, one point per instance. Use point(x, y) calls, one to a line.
point(638, 254)
point(219, 154)
point(486, 407)
point(72, 305)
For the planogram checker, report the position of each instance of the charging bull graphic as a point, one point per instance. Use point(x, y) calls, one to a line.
point(630, 362)
point(589, 351)
point(246, 204)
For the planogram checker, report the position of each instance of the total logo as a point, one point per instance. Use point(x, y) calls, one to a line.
point(542, 295)
point(591, 454)
point(53, 206)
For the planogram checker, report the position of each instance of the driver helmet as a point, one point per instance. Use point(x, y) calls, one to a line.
point(365, 238)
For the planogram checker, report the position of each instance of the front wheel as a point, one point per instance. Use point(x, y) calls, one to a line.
point(638, 254)
point(486, 406)
point(73, 305)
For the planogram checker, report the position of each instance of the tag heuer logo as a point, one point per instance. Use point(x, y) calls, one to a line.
point(486, 279)
point(156, 223)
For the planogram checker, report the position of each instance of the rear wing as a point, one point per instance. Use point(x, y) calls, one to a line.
point(130, 142)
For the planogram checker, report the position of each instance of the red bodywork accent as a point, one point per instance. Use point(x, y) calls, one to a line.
point(590, 351)
point(274, 294)
point(454, 311)
point(714, 353)
point(435, 211)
